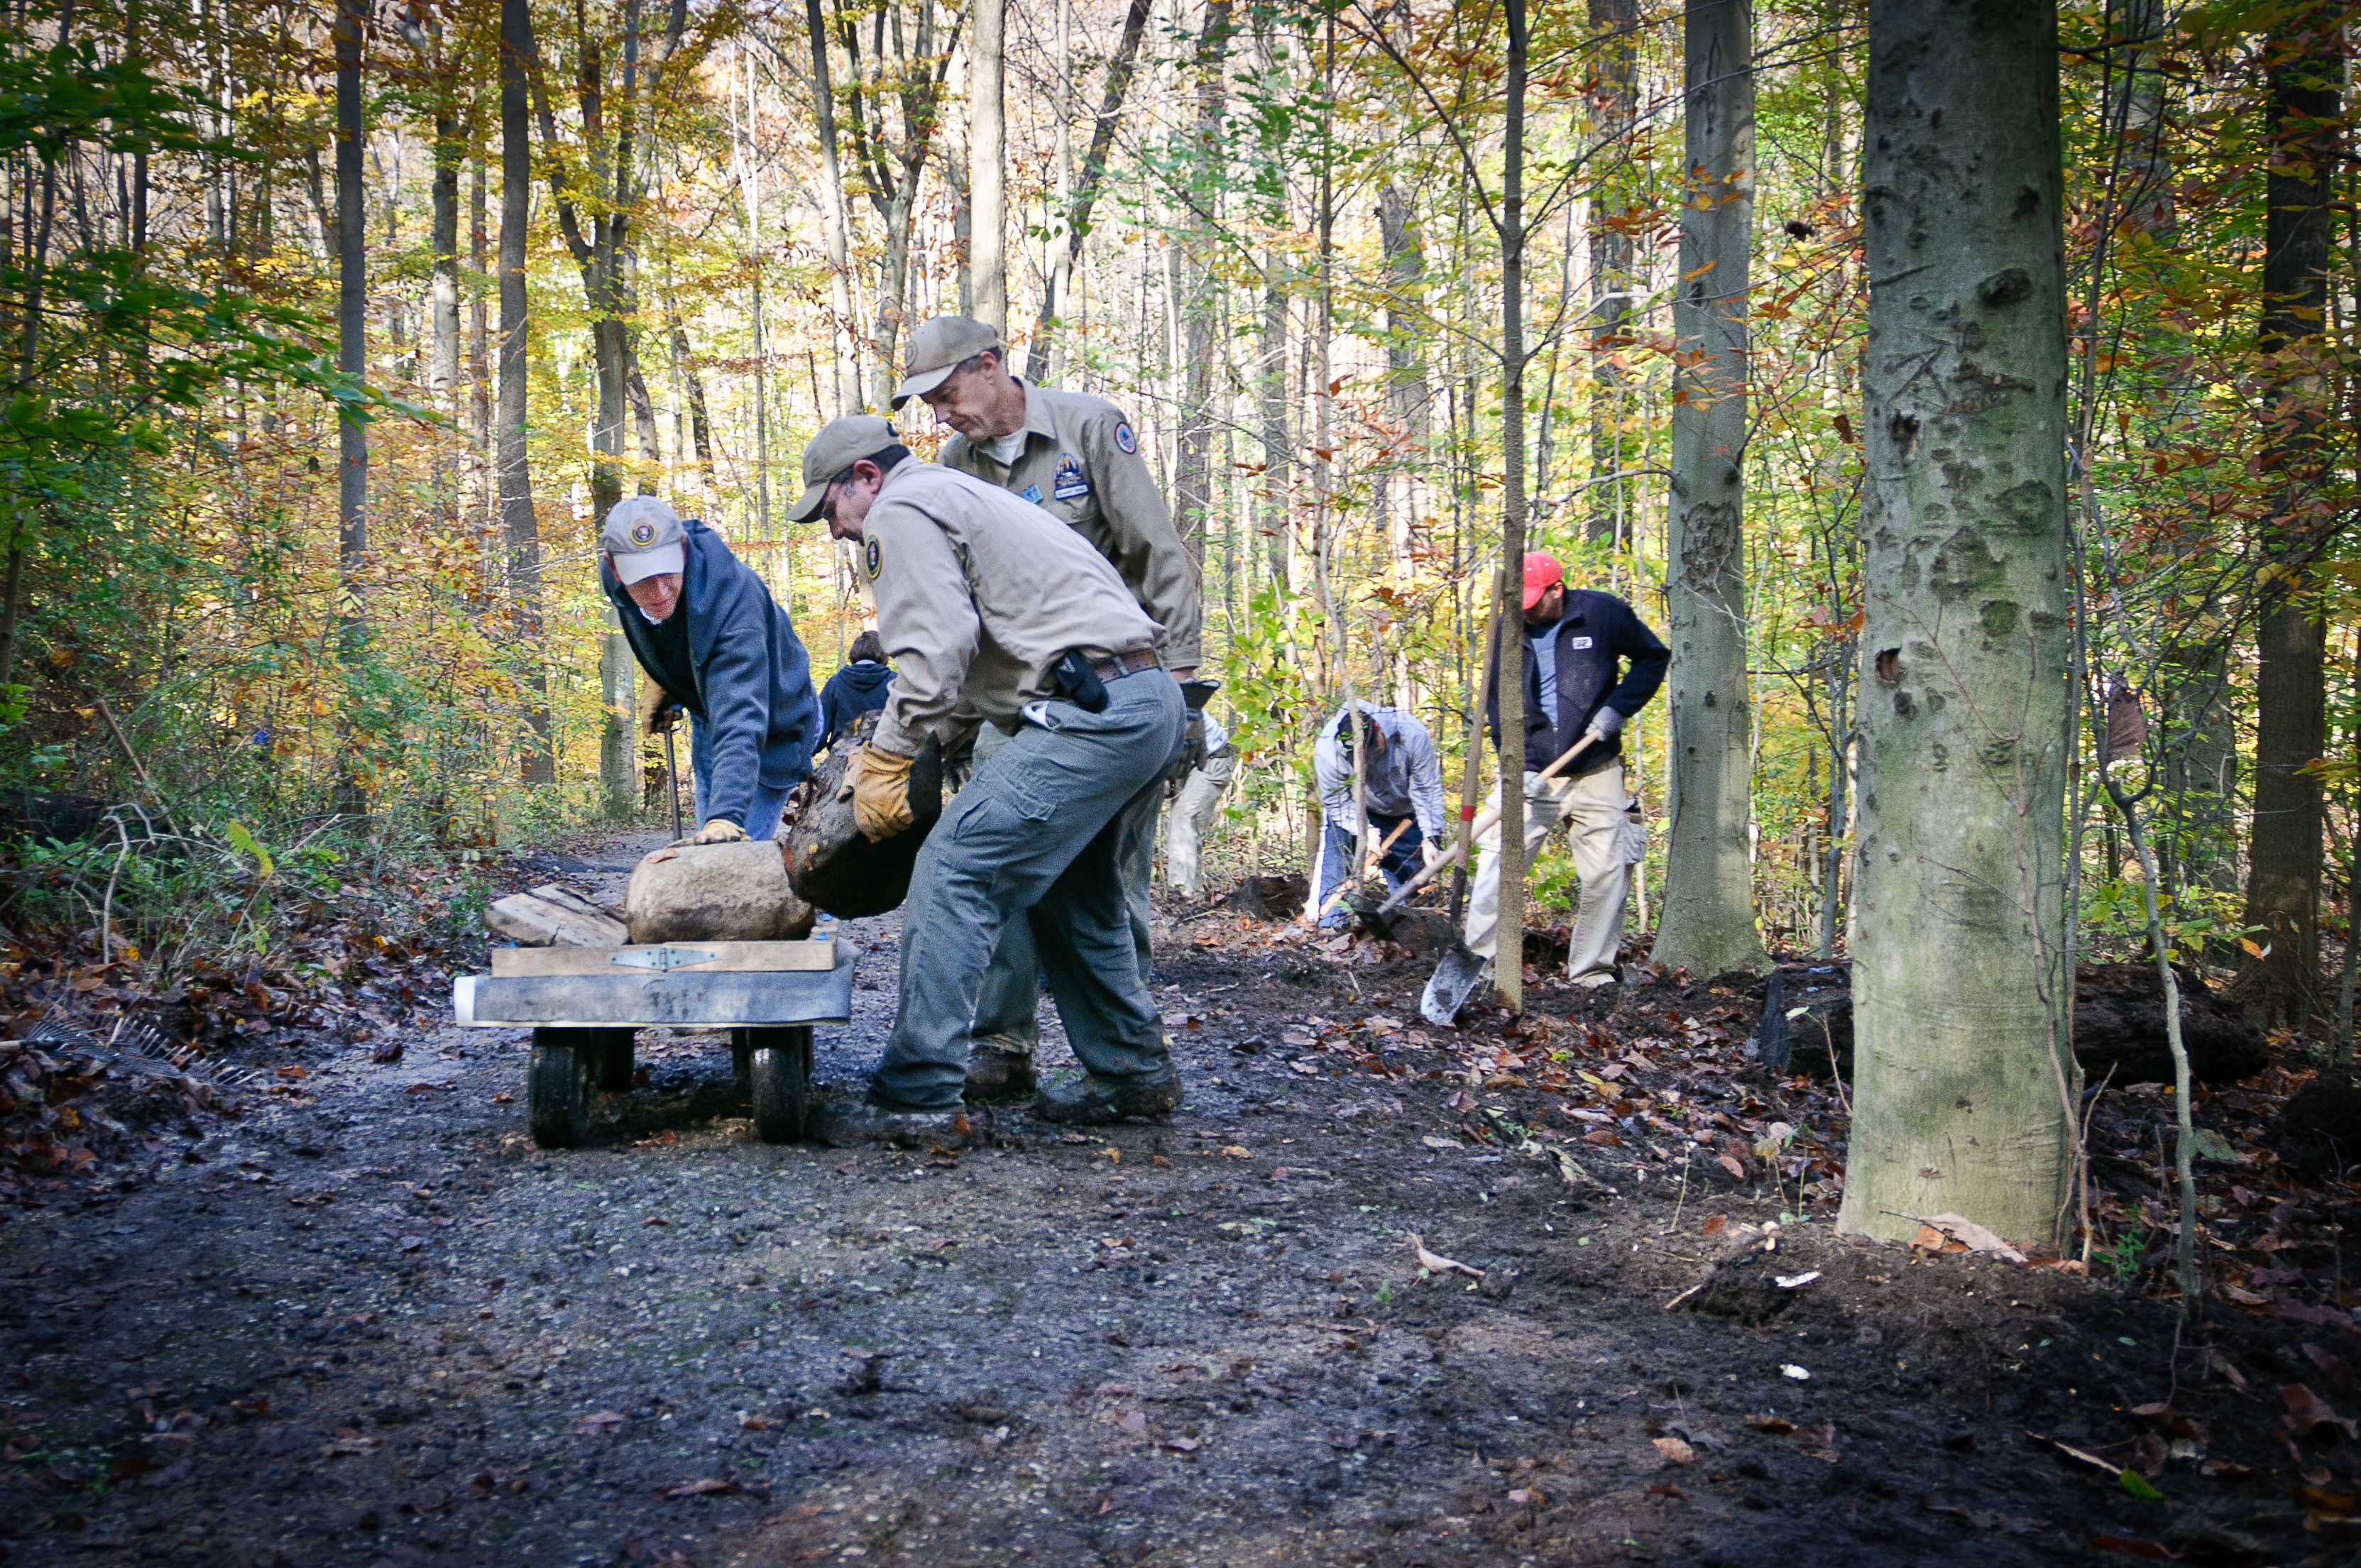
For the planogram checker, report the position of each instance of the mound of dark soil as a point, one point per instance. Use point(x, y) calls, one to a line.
point(2318, 1131)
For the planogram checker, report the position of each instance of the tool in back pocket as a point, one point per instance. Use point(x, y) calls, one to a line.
point(1079, 682)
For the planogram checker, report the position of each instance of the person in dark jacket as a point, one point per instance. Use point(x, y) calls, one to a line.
point(712, 642)
point(856, 689)
point(1590, 666)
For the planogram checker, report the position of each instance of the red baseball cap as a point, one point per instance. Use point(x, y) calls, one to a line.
point(1541, 574)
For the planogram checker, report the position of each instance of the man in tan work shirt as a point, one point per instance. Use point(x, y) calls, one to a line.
point(1078, 459)
point(987, 606)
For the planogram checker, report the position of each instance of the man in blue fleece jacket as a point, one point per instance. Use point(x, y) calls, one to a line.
point(706, 632)
point(1590, 663)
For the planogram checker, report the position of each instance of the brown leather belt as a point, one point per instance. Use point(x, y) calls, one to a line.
point(1123, 664)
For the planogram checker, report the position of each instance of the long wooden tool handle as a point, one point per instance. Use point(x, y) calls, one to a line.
point(1362, 870)
point(1471, 777)
point(1475, 831)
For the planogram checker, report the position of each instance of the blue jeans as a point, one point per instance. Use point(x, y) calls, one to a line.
point(1340, 849)
point(1008, 1014)
point(762, 812)
point(1035, 837)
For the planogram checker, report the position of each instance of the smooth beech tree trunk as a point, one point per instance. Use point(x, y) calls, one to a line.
point(988, 166)
point(1707, 923)
point(352, 320)
point(1961, 1011)
point(1614, 27)
point(2283, 854)
point(517, 521)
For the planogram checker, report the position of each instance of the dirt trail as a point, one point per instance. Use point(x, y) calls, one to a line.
point(371, 1323)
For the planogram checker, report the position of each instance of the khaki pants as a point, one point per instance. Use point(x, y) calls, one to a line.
point(1193, 813)
point(1592, 808)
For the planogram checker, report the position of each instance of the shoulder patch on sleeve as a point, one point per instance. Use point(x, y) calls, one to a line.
point(1124, 437)
point(872, 555)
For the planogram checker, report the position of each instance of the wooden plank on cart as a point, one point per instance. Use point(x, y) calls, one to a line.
point(678, 958)
point(538, 922)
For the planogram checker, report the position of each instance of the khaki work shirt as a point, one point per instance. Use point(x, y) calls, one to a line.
point(1082, 464)
point(978, 595)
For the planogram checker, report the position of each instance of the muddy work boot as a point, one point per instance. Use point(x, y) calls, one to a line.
point(1093, 1102)
point(848, 1124)
point(993, 1074)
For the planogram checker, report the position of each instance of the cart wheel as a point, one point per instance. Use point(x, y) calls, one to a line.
point(614, 1074)
point(557, 1092)
point(780, 1070)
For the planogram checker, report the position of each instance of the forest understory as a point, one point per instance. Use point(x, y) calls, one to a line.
point(312, 1295)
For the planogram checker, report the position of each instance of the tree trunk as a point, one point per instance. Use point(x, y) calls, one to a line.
point(1508, 969)
point(1194, 487)
point(2290, 681)
point(832, 213)
point(352, 320)
point(1708, 919)
point(1616, 110)
point(988, 165)
point(1963, 1100)
point(517, 521)
point(1077, 217)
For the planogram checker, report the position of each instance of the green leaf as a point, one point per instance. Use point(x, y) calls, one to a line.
point(2135, 1483)
point(245, 843)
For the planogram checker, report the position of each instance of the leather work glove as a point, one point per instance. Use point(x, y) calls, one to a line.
point(1429, 851)
point(879, 783)
point(658, 712)
point(1605, 723)
point(719, 830)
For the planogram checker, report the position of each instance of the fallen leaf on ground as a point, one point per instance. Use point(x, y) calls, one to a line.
point(1676, 1452)
point(2125, 1544)
point(705, 1487)
point(1238, 1151)
point(2307, 1411)
point(1789, 1369)
point(603, 1421)
point(1436, 1262)
point(1775, 1425)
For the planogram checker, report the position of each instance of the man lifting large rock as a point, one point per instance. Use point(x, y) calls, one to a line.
point(988, 603)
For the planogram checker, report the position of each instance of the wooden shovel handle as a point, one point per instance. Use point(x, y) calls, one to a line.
point(1476, 831)
point(1350, 884)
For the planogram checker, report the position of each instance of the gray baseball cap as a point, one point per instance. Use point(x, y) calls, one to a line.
point(938, 348)
point(643, 537)
point(840, 445)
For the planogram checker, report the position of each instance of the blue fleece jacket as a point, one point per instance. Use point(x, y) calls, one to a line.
point(849, 692)
point(1597, 635)
point(753, 679)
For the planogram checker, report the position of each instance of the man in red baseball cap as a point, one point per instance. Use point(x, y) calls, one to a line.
point(1591, 664)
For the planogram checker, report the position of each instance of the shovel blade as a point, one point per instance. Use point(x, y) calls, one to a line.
point(1456, 980)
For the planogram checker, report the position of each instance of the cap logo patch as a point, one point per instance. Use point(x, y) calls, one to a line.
point(872, 555)
point(644, 533)
point(1069, 485)
point(1124, 439)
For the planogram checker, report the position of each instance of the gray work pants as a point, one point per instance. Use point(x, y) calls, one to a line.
point(1005, 1016)
point(1033, 840)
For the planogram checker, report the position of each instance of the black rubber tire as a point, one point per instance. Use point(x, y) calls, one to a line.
point(558, 1090)
point(615, 1064)
point(780, 1069)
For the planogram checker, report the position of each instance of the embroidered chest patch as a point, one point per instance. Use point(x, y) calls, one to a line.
point(1069, 485)
point(872, 555)
point(1577, 641)
point(1033, 493)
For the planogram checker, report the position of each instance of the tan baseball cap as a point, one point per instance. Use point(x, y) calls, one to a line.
point(840, 445)
point(643, 537)
point(938, 348)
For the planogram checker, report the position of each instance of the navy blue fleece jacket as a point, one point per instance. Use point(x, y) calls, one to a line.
point(753, 679)
point(1596, 632)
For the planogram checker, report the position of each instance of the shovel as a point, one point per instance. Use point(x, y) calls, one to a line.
point(1462, 970)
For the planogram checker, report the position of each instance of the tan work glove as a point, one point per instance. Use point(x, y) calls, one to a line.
point(719, 830)
point(658, 712)
point(878, 784)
